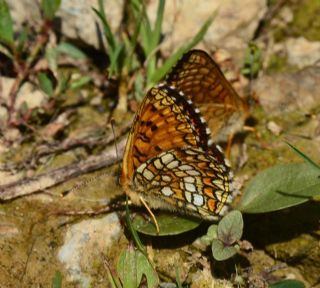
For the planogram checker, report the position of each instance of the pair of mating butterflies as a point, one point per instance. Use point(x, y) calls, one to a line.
point(170, 161)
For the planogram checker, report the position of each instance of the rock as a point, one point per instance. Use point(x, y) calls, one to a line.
point(302, 52)
point(286, 92)
point(7, 229)
point(302, 252)
point(84, 242)
point(274, 128)
point(232, 28)
point(28, 93)
point(80, 22)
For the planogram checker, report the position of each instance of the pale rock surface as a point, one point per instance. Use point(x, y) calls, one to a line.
point(84, 243)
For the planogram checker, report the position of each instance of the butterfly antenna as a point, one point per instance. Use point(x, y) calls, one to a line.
point(112, 122)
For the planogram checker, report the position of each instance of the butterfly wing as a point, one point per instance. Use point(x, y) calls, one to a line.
point(186, 180)
point(165, 120)
point(200, 79)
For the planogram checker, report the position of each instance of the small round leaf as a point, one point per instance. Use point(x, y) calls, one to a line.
point(220, 252)
point(230, 228)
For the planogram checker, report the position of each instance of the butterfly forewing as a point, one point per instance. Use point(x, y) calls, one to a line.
point(164, 121)
point(188, 180)
point(201, 79)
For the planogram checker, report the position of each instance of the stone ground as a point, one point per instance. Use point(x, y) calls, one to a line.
point(34, 242)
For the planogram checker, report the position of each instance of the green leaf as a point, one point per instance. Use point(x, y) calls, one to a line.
point(63, 82)
point(6, 25)
point(113, 277)
point(51, 56)
point(287, 284)
point(133, 230)
point(304, 157)
point(169, 224)
point(57, 280)
point(6, 51)
point(45, 83)
point(156, 33)
point(164, 69)
point(132, 265)
point(107, 29)
point(280, 187)
point(230, 228)
point(76, 84)
point(71, 50)
point(220, 252)
point(50, 7)
point(252, 61)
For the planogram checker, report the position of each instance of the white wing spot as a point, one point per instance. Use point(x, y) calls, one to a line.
point(173, 164)
point(141, 167)
point(219, 148)
point(158, 164)
point(166, 178)
point(166, 191)
point(198, 200)
point(188, 179)
point(227, 162)
point(185, 167)
point(218, 183)
point(190, 187)
point(147, 174)
point(188, 196)
point(190, 152)
point(166, 158)
point(193, 172)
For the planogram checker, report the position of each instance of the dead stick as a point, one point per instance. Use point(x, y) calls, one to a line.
point(41, 182)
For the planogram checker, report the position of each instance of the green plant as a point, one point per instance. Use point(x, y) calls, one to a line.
point(252, 61)
point(124, 63)
point(133, 263)
point(266, 192)
point(287, 284)
point(24, 51)
point(57, 280)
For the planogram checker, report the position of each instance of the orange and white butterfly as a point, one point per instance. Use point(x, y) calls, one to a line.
point(168, 160)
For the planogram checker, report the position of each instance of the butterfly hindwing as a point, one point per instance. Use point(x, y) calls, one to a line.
point(188, 180)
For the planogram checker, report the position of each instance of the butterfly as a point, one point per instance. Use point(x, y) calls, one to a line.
point(167, 161)
point(201, 80)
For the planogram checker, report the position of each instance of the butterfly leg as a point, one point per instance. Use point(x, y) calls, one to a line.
point(151, 214)
point(229, 144)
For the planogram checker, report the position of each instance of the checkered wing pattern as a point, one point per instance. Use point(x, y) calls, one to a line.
point(201, 80)
point(167, 161)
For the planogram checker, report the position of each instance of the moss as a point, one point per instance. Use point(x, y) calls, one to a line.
point(277, 63)
point(306, 21)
